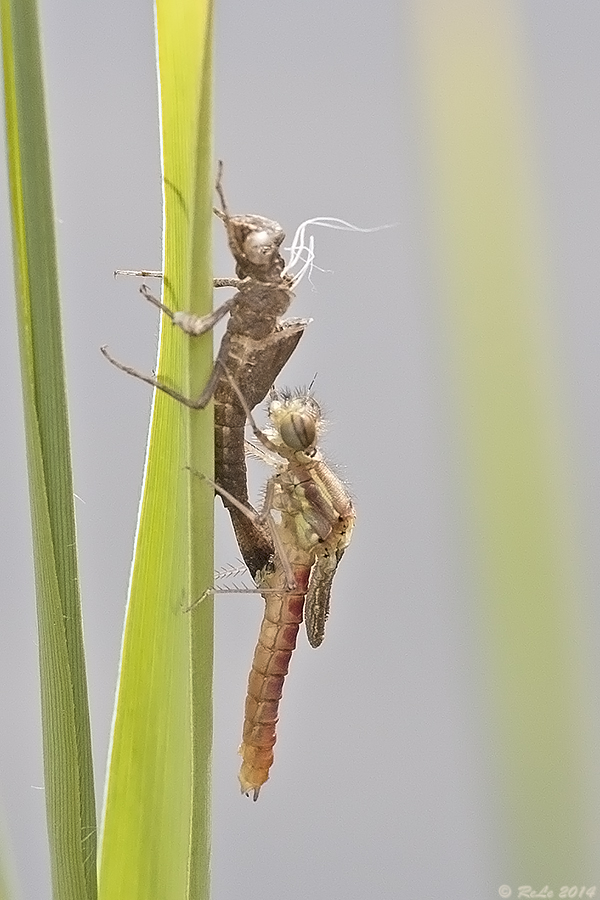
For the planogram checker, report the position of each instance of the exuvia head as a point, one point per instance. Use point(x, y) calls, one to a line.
point(254, 242)
point(259, 238)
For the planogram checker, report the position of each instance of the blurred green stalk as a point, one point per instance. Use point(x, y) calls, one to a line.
point(495, 289)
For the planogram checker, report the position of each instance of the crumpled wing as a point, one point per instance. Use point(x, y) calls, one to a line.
point(316, 607)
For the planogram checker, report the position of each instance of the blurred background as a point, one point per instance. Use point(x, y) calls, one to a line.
point(443, 741)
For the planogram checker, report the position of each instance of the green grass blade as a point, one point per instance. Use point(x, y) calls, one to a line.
point(156, 825)
point(65, 719)
point(171, 29)
point(495, 290)
point(9, 888)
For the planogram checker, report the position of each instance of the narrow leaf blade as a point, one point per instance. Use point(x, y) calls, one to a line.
point(68, 772)
point(158, 783)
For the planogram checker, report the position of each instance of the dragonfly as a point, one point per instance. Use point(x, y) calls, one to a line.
point(310, 518)
point(256, 345)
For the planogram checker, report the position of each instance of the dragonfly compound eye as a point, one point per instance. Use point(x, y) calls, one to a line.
point(298, 430)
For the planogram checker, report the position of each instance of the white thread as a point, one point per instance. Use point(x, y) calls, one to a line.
point(303, 251)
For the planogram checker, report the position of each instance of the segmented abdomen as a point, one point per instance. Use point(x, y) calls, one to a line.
point(276, 642)
point(254, 365)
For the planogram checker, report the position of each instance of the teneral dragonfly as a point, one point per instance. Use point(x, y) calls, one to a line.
point(310, 517)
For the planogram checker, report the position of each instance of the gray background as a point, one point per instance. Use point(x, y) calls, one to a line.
point(383, 785)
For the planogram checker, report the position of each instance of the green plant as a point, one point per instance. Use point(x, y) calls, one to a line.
point(155, 840)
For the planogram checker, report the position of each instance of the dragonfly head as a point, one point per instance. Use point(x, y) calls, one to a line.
point(297, 420)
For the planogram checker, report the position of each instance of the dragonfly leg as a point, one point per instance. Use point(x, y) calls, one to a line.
point(200, 599)
point(199, 403)
point(247, 510)
point(260, 435)
point(152, 273)
point(264, 517)
point(189, 322)
point(286, 565)
point(138, 273)
point(222, 213)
